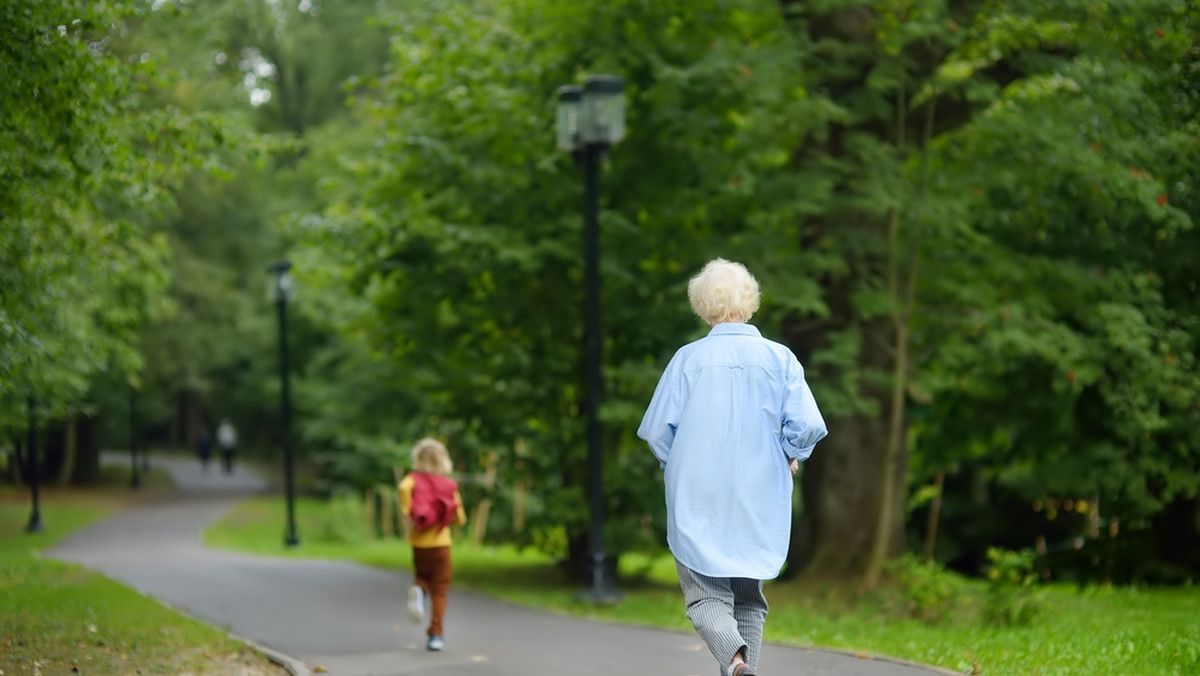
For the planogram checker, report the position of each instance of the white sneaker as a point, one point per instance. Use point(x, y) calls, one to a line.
point(435, 644)
point(416, 603)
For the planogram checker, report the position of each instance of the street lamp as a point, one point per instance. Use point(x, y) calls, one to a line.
point(590, 119)
point(35, 515)
point(282, 292)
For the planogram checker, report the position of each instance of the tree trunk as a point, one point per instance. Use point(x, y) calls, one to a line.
point(935, 510)
point(848, 492)
point(189, 418)
point(889, 510)
point(841, 484)
point(67, 468)
point(841, 498)
point(87, 452)
point(900, 318)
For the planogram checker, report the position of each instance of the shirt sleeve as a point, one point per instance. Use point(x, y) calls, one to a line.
point(803, 425)
point(662, 416)
point(405, 489)
point(461, 517)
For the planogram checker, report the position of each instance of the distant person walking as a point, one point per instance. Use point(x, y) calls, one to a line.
point(430, 500)
point(729, 422)
point(204, 444)
point(227, 438)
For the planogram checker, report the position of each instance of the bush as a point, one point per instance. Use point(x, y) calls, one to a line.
point(344, 522)
point(929, 593)
point(1012, 598)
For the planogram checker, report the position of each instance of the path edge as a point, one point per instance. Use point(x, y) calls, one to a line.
point(294, 666)
point(864, 655)
point(857, 654)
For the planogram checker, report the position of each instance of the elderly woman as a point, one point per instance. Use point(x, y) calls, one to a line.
point(729, 422)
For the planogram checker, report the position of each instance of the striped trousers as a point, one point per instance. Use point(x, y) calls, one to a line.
point(727, 612)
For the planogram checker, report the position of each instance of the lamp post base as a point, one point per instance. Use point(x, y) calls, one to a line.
point(602, 592)
point(600, 597)
point(35, 523)
point(291, 541)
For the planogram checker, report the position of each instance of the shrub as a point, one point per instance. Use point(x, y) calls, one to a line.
point(929, 593)
point(1012, 598)
point(344, 522)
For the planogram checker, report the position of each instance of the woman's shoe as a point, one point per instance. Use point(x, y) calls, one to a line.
point(435, 643)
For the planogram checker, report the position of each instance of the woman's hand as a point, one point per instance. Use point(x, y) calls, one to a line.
point(795, 467)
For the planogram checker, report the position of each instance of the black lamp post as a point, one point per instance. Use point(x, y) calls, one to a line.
point(145, 458)
point(135, 479)
point(282, 292)
point(35, 516)
point(590, 119)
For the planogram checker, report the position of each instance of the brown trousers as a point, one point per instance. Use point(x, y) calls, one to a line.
point(431, 566)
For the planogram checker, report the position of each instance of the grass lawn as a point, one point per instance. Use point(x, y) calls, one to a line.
point(57, 618)
point(1094, 632)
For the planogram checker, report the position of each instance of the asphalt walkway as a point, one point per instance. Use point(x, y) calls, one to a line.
point(349, 620)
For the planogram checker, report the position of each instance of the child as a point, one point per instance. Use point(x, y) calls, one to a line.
point(427, 484)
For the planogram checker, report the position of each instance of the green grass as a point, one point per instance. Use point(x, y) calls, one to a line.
point(1095, 632)
point(56, 618)
point(1113, 632)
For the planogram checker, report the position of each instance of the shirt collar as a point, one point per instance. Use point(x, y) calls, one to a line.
point(734, 329)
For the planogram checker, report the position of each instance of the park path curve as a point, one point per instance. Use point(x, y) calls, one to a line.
point(349, 619)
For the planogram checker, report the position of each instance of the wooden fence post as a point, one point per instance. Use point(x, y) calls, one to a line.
point(479, 520)
point(519, 495)
point(369, 510)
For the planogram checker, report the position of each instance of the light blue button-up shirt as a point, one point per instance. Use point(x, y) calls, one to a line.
point(730, 413)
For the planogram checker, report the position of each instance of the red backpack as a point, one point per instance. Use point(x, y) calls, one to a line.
point(433, 503)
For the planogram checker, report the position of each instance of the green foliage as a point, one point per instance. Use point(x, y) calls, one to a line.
point(344, 521)
point(463, 239)
point(86, 168)
point(927, 591)
point(446, 257)
point(550, 540)
point(1012, 599)
point(271, 73)
point(1038, 158)
point(1060, 360)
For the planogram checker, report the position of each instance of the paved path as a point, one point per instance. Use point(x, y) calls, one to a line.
point(350, 619)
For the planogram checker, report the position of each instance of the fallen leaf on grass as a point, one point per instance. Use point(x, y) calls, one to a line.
point(319, 669)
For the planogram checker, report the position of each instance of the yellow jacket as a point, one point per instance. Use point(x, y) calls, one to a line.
point(434, 537)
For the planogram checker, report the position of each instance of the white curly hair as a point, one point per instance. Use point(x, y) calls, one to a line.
point(724, 291)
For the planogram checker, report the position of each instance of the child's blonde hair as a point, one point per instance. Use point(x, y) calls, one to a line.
point(430, 455)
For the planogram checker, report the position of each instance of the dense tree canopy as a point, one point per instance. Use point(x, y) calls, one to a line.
point(973, 222)
point(85, 170)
